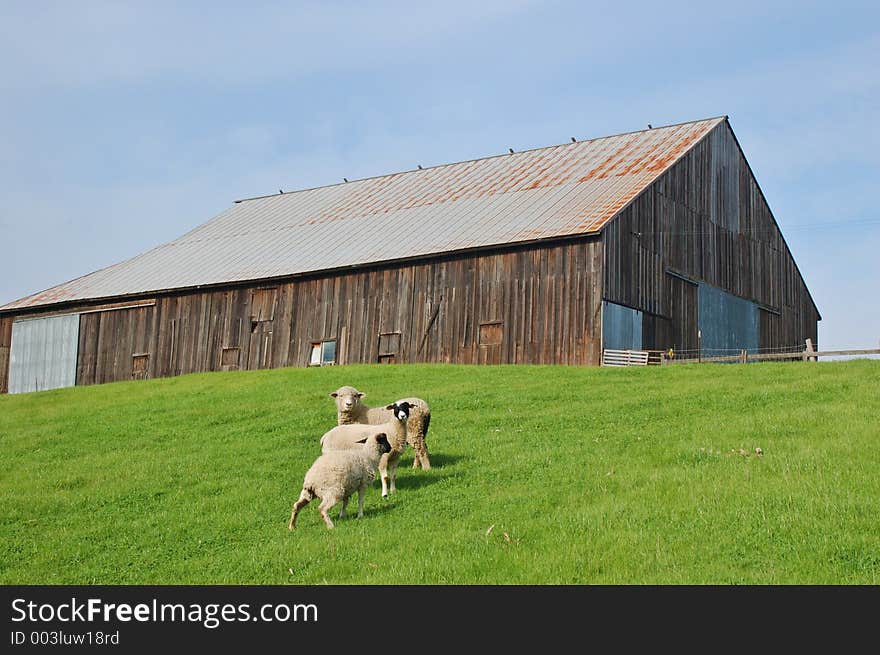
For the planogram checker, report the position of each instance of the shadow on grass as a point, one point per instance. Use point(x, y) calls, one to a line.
point(409, 478)
point(376, 508)
point(438, 460)
point(417, 479)
point(372, 507)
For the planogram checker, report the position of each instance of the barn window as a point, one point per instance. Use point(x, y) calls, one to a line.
point(389, 346)
point(140, 363)
point(490, 333)
point(230, 356)
point(262, 305)
point(323, 353)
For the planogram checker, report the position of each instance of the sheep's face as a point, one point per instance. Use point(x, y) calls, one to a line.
point(400, 409)
point(382, 440)
point(347, 398)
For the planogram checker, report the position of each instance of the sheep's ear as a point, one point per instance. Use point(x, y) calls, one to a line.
point(389, 407)
point(334, 395)
point(364, 440)
point(361, 395)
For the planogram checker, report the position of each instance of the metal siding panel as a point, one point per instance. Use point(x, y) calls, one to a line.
point(43, 353)
point(621, 327)
point(727, 323)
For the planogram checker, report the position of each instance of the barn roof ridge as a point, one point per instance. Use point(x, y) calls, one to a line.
point(477, 159)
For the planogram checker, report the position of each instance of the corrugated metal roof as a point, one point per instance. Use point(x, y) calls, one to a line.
point(563, 190)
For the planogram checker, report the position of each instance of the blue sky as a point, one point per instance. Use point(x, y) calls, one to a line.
point(125, 124)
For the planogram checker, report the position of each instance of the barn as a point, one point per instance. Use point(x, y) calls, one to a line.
point(657, 239)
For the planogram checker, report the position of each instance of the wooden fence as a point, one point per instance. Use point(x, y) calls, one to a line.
point(744, 357)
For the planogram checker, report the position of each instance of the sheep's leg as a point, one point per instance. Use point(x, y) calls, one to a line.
point(304, 498)
point(361, 493)
point(383, 474)
point(344, 503)
point(393, 461)
point(325, 506)
point(421, 452)
point(412, 432)
point(417, 458)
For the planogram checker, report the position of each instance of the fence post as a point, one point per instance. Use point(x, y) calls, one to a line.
point(744, 356)
point(809, 351)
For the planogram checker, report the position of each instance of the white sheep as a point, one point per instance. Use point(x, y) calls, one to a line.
point(350, 409)
point(348, 436)
point(336, 475)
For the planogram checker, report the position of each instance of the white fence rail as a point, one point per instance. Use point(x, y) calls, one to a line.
point(625, 357)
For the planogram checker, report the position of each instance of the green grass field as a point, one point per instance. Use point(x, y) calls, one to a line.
point(541, 475)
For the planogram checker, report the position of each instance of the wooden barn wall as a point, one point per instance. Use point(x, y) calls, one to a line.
point(706, 219)
point(5, 343)
point(538, 305)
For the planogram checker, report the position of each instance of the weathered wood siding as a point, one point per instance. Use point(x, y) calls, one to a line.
point(5, 343)
point(706, 219)
point(109, 340)
point(537, 304)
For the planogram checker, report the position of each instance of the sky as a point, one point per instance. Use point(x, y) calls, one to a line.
point(123, 125)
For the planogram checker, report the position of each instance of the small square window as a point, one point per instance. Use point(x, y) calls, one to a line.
point(491, 333)
point(230, 356)
point(323, 353)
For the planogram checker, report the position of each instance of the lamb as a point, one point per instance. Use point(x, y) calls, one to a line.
point(343, 437)
point(336, 475)
point(350, 409)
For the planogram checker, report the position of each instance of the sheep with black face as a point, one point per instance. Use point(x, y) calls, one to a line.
point(343, 437)
point(350, 408)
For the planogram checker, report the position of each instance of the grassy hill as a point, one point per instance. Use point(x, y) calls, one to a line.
point(541, 475)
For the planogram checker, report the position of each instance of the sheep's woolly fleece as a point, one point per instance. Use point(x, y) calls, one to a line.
point(351, 409)
point(346, 436)
point(337, 474)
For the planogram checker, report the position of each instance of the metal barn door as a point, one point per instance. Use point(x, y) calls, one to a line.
point(621, 327)
point(43, 353)
point(727, 322)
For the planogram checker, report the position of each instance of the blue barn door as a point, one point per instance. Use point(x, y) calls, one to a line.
point(727, 323)
point(621, 327)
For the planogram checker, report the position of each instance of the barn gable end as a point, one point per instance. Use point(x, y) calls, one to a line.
point(704, 229)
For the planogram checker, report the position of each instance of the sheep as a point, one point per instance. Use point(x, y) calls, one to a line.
point(336, 475)
point(350, 409)
point(348, 436)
